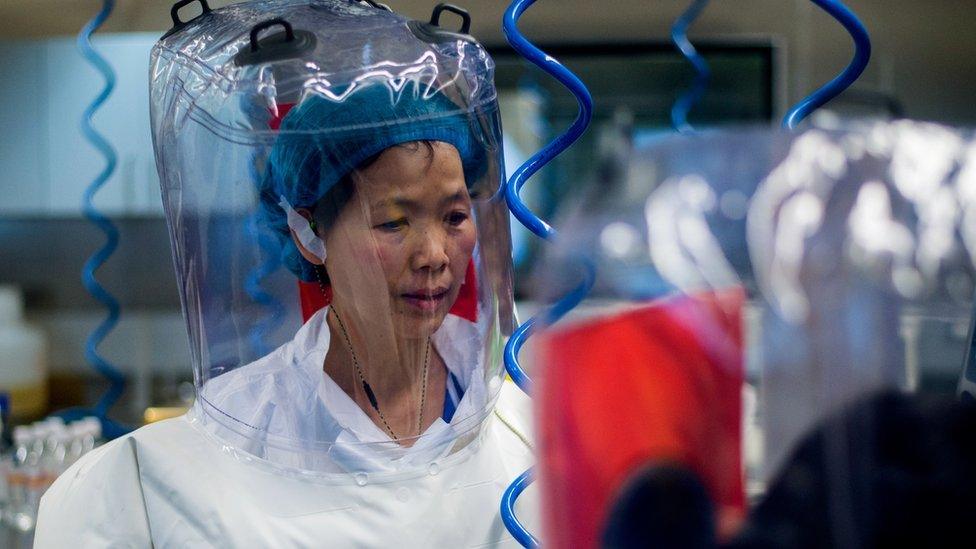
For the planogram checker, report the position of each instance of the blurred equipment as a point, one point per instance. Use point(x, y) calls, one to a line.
point(23, 361)
point(854, 251)
point(643, 392)
point(654, 384)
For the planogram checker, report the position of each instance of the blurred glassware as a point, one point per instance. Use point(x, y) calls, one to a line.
point(810, 270)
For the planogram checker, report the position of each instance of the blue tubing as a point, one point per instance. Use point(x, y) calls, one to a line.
point(862, 54)
point(102, 366)
point(512, 349)
point(679, 36)
point(511, 522)
point(538, 227)
point(563, 141)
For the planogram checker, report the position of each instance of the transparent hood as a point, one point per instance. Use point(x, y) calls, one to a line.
point(340, 242)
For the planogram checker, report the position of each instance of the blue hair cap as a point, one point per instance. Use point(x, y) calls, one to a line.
point(321, 141)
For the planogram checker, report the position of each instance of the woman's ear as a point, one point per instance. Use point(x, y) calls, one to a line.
point(308, 255)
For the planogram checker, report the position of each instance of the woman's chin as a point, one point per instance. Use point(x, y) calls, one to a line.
point(420, 324)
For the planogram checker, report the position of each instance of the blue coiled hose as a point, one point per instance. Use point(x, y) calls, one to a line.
point(830, 90)
point(679, 36)
point(515, 527)
point(102, 366)
point(561, 142)
point(540, 228)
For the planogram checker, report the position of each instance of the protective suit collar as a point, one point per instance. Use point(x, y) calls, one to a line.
point(297, 401)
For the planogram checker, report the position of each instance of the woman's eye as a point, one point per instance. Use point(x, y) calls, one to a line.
point(392, 226)
point(456, 218)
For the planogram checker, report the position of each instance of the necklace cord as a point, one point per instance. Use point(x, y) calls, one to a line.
point(369, 390)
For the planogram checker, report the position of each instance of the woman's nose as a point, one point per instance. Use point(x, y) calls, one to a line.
point(431, 252)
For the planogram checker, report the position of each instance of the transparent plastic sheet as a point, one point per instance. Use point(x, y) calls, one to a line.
point(378, 149)
point(785, 316)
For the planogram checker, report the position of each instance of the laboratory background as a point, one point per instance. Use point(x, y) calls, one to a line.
point(92, 338)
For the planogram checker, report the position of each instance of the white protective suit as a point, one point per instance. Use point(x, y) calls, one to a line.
point(176, 484)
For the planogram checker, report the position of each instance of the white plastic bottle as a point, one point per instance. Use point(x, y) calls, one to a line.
point(23, 365)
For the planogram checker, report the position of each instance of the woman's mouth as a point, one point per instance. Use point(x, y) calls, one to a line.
point(426, 300)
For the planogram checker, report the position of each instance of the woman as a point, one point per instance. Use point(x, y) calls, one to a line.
point(382, 418)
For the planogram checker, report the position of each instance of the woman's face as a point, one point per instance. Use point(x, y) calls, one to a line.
point(399, 249)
